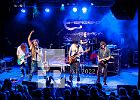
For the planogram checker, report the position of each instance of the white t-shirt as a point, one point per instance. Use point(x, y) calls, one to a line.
point(20, 53)
point(73, 49)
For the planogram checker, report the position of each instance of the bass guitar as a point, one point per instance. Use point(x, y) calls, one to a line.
point(105, 60)
point(72, 59)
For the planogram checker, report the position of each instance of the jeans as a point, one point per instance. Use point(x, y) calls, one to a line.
point(24, 67)
point(74, 68)
point(99, 71)
point(35, 66)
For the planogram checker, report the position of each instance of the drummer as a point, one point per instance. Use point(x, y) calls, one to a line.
point(84, 41)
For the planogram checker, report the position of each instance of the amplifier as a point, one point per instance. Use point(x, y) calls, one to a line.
point(114, 64)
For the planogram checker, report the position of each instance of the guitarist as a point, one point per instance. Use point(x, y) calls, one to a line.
point(75, 51)
point(22, 55)
point(103, 57)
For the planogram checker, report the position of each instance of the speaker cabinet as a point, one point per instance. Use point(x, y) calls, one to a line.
point(114, 64)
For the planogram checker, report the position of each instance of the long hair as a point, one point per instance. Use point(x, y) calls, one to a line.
point(33, 47)
point(102, 43)
point(23, 47)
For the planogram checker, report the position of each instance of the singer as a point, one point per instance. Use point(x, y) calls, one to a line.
point(36, 54)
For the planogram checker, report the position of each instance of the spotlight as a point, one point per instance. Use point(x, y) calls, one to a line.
point(62, 5)
point(74, 9)
point(84, 9)
point(20, 5)
point(15, 5)
point(47, 10)
point(92, 4)
point(23, 10)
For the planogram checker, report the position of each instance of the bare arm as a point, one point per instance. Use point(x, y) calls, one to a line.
point(99, 60)
point(29, 38)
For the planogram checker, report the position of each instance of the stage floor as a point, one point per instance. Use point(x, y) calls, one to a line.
point(127, 76)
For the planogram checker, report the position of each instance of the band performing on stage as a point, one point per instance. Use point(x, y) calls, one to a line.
point(69, 50)
point(77, 54)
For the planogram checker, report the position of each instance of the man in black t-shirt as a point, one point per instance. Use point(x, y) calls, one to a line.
point(103, 57)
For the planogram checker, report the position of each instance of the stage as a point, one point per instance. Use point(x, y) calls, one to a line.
point(127, 76)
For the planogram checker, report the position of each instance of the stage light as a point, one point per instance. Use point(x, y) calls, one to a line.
point(15, 5)
point(92, 4)
point(47, 10)
point(74, 9)
point(62, 7)
point(84, 9)
point(23, 10)
point(20, 5)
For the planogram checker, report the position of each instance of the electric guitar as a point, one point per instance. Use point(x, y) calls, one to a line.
point(23, 59)
point(105, 60)
point(72, 59)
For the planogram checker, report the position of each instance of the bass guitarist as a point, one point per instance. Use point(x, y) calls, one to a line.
point(22, 55)
point(103, 57)
point(75, 51)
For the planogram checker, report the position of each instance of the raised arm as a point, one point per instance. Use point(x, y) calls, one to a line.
point(29, 38)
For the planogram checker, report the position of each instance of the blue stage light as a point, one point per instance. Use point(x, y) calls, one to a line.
point(62, 7)
point(92, 4)
point(23, 10)
point(47, 10)
point(74, 9)
point(84, 9)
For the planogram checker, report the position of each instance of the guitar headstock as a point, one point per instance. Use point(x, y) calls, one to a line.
point(112, 57)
